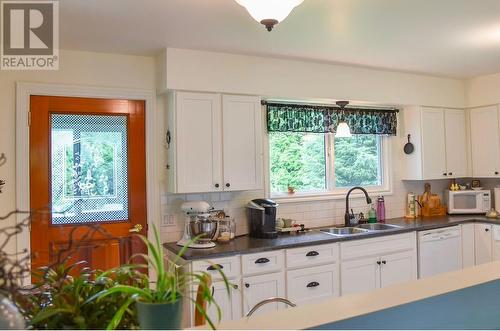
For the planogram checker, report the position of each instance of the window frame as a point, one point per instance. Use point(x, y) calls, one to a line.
point(332, 192)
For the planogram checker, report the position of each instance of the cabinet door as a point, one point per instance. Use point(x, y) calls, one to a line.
point(468, 245)
point(313, 284)
point(398, 268)
point(433, 145)
point(242, 141)
point(230, 306)
point(485, 145)
point(483, 243)
point(496, 242)
point(456, 142)
point(359, 275)
point(198, 134)
point(259, 288)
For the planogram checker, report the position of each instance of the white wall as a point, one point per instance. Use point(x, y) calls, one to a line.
point(78, 68)
point(301, 80)
point(483, 90)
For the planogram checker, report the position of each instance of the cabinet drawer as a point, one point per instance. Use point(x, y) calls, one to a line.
point(377, 246)
point(313, 284)
point(311, 255)
point(262, 262)
point(229, 265)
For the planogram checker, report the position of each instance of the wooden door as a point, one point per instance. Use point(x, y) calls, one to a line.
point(259, 288)
point(197, 133)
point(360, 275)
point(242, 141)
point(456, 142)
point(398, 268)
point(483, 243)
point(433, 135)
point(485, 142)
point(87, 180)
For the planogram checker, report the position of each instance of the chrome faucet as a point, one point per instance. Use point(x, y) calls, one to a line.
point(263, 302)
point(347, 216)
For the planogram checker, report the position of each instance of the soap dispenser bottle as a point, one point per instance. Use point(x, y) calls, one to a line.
point(372, 215)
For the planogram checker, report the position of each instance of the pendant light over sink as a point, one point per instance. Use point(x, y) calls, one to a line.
point(269, 12)
point(343, 130)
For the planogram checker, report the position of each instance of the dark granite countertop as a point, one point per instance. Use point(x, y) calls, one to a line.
point(248, 245)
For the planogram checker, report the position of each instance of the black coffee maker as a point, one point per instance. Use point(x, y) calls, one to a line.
point(262, 218)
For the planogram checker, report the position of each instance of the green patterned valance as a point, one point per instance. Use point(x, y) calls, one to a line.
point(324, 119)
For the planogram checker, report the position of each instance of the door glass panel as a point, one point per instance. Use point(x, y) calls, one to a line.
point(88, 168)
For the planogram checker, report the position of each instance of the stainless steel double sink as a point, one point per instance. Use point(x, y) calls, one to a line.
point(359, 229)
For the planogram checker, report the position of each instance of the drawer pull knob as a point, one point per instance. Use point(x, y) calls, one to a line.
point(384, 262)
point(247, 285)
point(313, 284)
point(486, 230)
point(312, 253)
point(215, 267)
point(235, 286)
point(262, 260)
point(379, 263)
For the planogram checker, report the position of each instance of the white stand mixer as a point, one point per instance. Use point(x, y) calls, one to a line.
point(195, 210)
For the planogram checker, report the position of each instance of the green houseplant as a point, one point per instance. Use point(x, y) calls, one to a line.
point(59, 298)
point(159, 303)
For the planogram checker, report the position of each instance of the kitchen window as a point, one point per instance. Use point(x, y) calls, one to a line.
point(315, 163)
point(307, 161)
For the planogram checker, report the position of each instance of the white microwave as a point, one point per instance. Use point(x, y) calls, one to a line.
point(468, 202)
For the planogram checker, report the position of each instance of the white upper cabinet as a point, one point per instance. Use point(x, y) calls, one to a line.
point(215, 142)
point(242, 136)
point(440, 139)
point(433, 143)
point(456, 142)
point(485, 141)
point(195, 153)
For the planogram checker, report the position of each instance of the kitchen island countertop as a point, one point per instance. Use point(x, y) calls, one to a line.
point(247, 245)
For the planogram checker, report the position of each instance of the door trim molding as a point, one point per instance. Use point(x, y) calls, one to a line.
point(23, 92)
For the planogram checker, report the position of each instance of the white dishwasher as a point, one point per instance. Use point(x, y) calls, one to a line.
point(439, 251)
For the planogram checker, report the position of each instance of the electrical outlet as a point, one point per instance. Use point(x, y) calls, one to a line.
point(168, 220)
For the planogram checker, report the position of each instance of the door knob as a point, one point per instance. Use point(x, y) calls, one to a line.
point(136, 228)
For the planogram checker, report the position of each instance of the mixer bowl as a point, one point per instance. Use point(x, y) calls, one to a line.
point(203, 228)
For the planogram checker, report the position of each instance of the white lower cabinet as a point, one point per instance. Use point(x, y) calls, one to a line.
point(496, 242)
point(377, 262)
point(359, 275)
point(483, 243)
point(230, 305)
point(258, 288)
point(365, 274)
point(468, 258)
point(398, 268)
point(313, 284)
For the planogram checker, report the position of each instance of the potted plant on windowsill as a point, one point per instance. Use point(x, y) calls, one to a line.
point(159, 304)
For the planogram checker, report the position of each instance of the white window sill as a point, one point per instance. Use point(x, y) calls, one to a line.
point(322, 196)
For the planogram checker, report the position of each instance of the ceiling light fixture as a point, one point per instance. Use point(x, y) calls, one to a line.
point(343, 130)
point(269, 12)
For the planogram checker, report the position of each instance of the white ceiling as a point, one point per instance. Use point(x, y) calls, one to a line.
point(455, 38)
